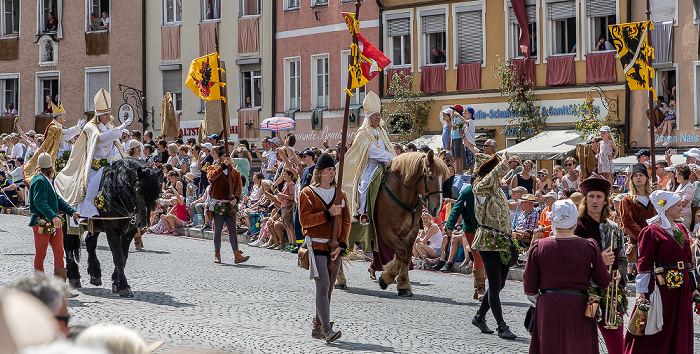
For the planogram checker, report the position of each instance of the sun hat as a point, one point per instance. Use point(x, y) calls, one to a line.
point(605, 128)
point(552, 194)
point(528, 198)
point(207, 146)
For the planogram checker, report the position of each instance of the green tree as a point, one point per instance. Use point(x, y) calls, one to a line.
point(526, 111)
point(589, 121)
point(406, 115)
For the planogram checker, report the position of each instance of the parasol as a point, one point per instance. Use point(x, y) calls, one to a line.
point(278, 123)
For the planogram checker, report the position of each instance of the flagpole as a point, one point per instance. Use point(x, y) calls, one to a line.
point(333, 243)
point(651, 103)
point(225, 124)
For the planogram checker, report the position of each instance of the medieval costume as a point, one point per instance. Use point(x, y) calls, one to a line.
point(45, 204)
point(97, 147)
point(464, 207)
point(607, 234)
point(317, 226)
point(56, 142)
point(634, 212)
point(370, 148)
point(664, 252)
point(221, 208)
point(556, 278)
point(492, 238)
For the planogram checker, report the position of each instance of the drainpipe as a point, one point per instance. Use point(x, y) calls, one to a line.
point(381, 43)
point(144, 113)
point(274, 57)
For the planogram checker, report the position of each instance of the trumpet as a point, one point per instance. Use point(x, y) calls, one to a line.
point(610, 314)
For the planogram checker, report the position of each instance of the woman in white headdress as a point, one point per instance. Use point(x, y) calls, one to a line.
point(666, 277)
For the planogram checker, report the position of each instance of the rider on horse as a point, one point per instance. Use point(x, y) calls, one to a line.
point(96, 148)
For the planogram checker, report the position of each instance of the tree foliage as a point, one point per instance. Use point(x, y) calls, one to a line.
point(589, 120)
point(526, 110)
point(406, 115)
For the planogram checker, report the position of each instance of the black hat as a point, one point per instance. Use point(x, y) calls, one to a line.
point(221, 150)
point(424, 148)
point(324, 161)
point(309, 153)
point(643, 152)
point(2, 173)
point(640, 167)
point(595, 184)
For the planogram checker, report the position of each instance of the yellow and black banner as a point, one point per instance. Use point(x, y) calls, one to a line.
point(630, 41)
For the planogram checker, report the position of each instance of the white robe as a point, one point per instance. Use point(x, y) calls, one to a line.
point(66, 137)
point(378, 154)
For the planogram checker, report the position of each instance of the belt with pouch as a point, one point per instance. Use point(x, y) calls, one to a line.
point(565, 291)
point(678, 265)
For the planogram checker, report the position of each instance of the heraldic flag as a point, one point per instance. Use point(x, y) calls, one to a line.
point(630, 41)
point(203, 77)
point(368, 61)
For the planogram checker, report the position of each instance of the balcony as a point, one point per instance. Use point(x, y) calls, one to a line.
point(97, 42)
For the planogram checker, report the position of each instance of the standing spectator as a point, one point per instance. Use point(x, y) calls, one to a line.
point(148, 138)
point(469, 137)
point(643, 156)
point(19, 150)
point(571, 179)
point(162, 148)
point(456, 144)
point(686, 191)
point(286, 197)
point(607, 152)
point(51, 293)
point(267, 158)
point(446, 120)
point(525, 221)
point(173, 159)
point(437, 57)
point(672, 182)
point(206, 161)
point(635, 210)
point(661, 177)
point(10, 111)
point(557, 276)
point(543, 181)
point(558, 176)
point(524, 178)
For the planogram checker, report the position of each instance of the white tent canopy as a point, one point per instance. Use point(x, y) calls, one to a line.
point(548, 145)
point(622, 163)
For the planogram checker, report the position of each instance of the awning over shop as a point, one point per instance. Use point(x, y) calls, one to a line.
point(622, 163)
point(434, 141)
point(548, 145)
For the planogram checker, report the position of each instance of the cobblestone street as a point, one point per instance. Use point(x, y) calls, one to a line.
point(266, 304)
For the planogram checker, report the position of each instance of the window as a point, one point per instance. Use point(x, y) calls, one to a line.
point(172, 82)
point(599, 26)
point(47, 87)
point(562, 22)
point(531, 13)
point(291, 5)
point(665, 84)
point(434, 35)
point(470, 30)
point(358, 94)
point(664, 10)
point(95, 79)
point(319, 3)
point(99, 17)
point(49, 16)
point(292, 84)
point(251, 86)
point(399, 33)
point(249, 7)
point(172, 11)
point(9, 86)
point(210, 9)
point(10, 10)
point(319, 81)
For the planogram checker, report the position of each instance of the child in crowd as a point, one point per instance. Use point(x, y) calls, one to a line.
point(607, 152)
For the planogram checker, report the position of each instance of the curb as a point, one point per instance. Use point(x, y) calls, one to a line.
point(194, 232)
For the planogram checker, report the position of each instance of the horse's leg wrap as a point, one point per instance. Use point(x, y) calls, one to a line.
point(94, 269)
point(71, 245)
point(402, 278)
point(391, 270)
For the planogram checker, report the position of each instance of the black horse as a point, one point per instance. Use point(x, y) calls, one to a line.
point(130, 188)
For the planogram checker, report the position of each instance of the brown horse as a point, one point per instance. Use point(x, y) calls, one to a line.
point(412, 181)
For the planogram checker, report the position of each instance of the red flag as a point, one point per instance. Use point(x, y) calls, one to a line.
point(373, 60)
point(521, 16)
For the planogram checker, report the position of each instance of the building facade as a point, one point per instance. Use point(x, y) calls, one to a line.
point(565, 65)
point(312, 57)
point(50, 49)
point(180, 31)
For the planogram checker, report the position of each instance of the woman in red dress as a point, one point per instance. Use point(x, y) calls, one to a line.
point(665, 244)
point(556, 278)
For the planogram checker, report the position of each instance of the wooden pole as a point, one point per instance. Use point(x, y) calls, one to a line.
point(333, 243)
point(225, 124)
point(651, 105)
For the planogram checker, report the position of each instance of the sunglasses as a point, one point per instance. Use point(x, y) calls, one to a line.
point(65, 318)
point(542, 175)
point(489, 146)
point(569, 164)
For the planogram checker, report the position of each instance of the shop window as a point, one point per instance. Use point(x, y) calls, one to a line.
point(48, 51)
point(470, 39)
point(399, 39)
point(434, 36)
point(9, 86)
point(514, 28)
point(210, 9)
point(561, 16)
point(99, 17)
point(664, 10)
point(172, 11)
point(319, 81)
point(358, 93)
point(251, 86)
point(249, 7)
point(292, 84)
point(291, 5)
point(172, 82)
point(10, 19)
point(48, 90)
point(95, 79)
point(49, 16)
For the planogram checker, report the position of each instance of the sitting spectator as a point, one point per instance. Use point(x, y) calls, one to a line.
point(175, 182)
point(116, 338)
point(105, 20)
point(427, 244)
point(190, 193)
point(199, 206)
point(10, 111)
point(557, 177)
point(51, 24)
point(545, 223)
point(184, 158)
point(437, 56)
point(173, 158)
point(603, 44)
point(543, 181)
point(514, 201)
point(8, 198)
point(666, 127)
point(95, 22)
point(177, 214)
point(526, 221)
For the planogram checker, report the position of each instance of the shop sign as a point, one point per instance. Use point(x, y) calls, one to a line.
point(190, 129)
point(515, 131)
point(683, 137)
point(556, 111)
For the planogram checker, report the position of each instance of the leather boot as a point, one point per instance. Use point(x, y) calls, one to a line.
point(239, 257)
point(504, 332)
point(138, 243)
point(479, 284)
point(61, 273)
point(317, 332)
point(331, 335)
point(217, 257)
point(481, 325)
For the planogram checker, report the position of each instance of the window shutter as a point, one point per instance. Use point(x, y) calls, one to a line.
point(600, 8)
point(469, 37)
point(530, 11)
point(663, 10)
point(434, 24)
point(561, 10)
point(172, 81)
point(399, 27)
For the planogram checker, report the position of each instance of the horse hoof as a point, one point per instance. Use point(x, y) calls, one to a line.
point(126, 292)
point(382, 283)
point(405, 292)
point(341, 286)
point(96, 281)
point(75, 283)
point(115, 289)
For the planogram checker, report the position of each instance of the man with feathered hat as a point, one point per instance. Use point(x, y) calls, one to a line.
point(56, 140)
point(97, 147)
point(370, 148)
